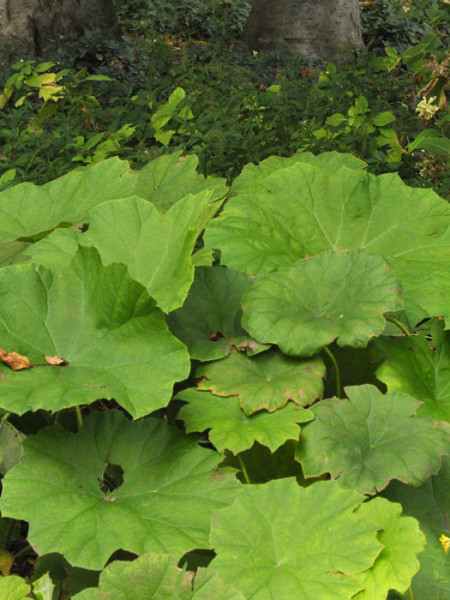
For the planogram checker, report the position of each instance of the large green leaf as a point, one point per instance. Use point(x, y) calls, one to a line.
point(27, 209)
point(232, 429)
point(397, 563)
point(329, 296)
point(170, 488)
point(429, 504)
point(420, 367)
point(167, 179)
point(278, 540)
point(13, 588)
point(253, 176)
point(304, 210)
point(370, 438)
point(156, 247)
point(209, 322)
point(266, 381)
point(157, 577)
point(100, 321)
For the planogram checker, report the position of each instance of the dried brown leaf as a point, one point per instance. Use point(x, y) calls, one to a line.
point(56, 360)
point(14, 360)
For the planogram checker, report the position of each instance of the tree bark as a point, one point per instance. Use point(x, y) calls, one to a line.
point(29, 25)
point(312, 28)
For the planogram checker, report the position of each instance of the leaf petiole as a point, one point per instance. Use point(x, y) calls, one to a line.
point(331, 356)
point(399, 324)
point(244, 469)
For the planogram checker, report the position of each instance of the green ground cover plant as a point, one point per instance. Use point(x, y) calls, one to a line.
point(231, 392)
point(96, 98)
point(224, 313)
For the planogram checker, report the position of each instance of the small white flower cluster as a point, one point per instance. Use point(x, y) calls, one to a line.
point(427, 109)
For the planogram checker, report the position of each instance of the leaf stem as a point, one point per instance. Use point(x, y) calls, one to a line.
point(5, 417)
point(244, 470)
point(399, 324)
point(79, 416)
point(339, 393)
point(410, 593)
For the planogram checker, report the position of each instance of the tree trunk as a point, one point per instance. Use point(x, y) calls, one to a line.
point(312, 28)
point(29, 25)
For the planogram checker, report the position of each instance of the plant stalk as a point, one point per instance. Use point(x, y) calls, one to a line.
point(410, 593)
point(244, 469)
point(339, 392)
point(399, 324)
point(79, 416)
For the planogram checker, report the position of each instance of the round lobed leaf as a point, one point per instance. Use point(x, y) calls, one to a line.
point(303, 210)
point(97, 319)
point(331, 296)
point(156, 247)
point(278, 540)
point(429, 505)
point(397, 563)
point(368, 439)
point(157, 576)
point(266, 381)
point(231, 429)
point(420, 367)
point(209, 322)
point(170, 488)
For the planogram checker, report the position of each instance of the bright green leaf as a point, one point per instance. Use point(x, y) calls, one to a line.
point(170, 488)
point(156, 247)
point(100, 321)
point(369, 439)
point(27, 209)
point(278, 540)
point(383, 118)
point(13, 588)
point(157, 577)
point(266, 381)
point(429, 505)
point(421, 368)
point(303, 210)
point(327, 297)
point(397, 563)
point(167, 179)
point(254, 176)
point(232, 429)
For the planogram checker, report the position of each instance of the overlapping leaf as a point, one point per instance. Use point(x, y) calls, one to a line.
point(157, 576)
point(27, 209)
point(281, 541)
point(397, 563)
point(266, 381)
point(330, 296)
point(232, 429)
point(101, 322)
point(429, 505)
point(14, 588)
point(167, 179)
point(170, 488)
point(419, 367)
point(303, 210)
point(253, 176)
point(209, 322)
point(156, 247)
point(370, 438)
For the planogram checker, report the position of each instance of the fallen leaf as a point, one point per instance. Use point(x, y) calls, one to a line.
point(57, 361)
point(16, 361)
